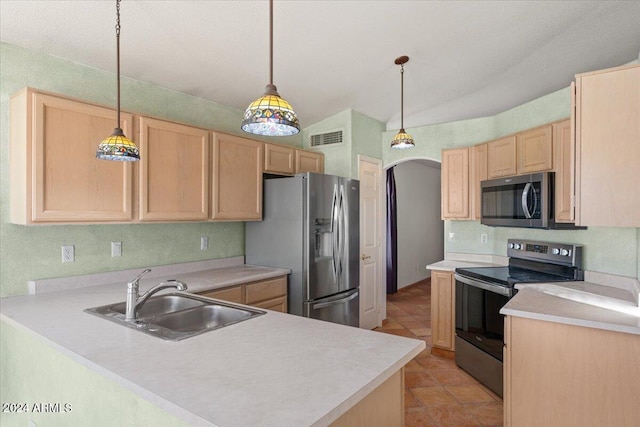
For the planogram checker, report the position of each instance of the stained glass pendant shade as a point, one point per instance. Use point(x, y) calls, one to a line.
point(118, 146)
point(270, 115)
point(402, 140)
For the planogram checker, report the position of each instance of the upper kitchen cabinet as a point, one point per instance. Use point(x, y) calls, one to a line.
point(174, 172)
point(477, 173)
point(309, 161)
point(563, 155)
point(607, 119)
point(55, 176)
point(534, 150)
point(236, 177)
point(279, 159)
point(455, 183)
point(501, 157)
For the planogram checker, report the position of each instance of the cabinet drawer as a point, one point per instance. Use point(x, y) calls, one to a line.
point(276, 304)
point(266, 289)
point(232, 294)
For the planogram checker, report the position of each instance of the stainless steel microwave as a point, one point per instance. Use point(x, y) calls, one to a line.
point(518, 201)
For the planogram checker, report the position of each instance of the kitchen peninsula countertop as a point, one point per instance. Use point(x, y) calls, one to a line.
point(544, 301)
point(458, 260)
point(289, 370)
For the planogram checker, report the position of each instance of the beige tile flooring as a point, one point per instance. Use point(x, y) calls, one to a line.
point(437, 392)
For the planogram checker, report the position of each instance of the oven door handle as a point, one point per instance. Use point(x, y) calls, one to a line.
point(487, 286)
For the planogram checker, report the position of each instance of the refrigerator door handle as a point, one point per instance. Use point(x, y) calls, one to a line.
point(334, 302)
point(334, 231)
point(341, 231)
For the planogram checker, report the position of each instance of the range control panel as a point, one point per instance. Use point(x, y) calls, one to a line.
point(556, 253)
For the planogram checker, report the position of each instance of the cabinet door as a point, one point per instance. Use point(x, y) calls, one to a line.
point(275, 304)
point(563, 153)
point(55, 176)
point(265, 290)
point(607, 147)
point(232, 294)
point(442, 310)
point(455, 183)
point(236, 189)
point(501, 160)
point(174, 171)
point(534, 149)
point(279, 159)
point(308, 161)
point(477, 174)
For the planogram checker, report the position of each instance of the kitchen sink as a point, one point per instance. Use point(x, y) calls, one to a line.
point(177, 316)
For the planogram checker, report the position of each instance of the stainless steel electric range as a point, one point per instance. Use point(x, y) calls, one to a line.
point(482, 291)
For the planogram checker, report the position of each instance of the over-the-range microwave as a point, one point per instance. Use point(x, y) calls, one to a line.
point(520, 201)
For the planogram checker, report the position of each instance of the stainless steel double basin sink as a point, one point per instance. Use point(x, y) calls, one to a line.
point(176, 316)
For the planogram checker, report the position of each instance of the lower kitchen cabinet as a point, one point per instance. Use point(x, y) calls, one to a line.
point(443, 322)
point(564, 375)
point(383, 407)
point(270, 294)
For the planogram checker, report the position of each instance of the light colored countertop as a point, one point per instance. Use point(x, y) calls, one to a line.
point(453, 260)
point(577, 303)
point(289, 370)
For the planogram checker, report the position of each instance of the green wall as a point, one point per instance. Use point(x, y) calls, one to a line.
point(607, 249)
point(34, 252)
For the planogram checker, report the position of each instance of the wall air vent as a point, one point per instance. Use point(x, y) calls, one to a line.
point(328, 138)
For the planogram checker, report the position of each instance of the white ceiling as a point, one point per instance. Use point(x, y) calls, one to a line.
point(467, 58)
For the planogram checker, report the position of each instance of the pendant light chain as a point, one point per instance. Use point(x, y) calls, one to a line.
point(271, 42)
point(118, 55)
point(402, 96)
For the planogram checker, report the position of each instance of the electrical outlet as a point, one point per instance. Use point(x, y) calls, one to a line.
point(68, 254)
point(484, 238)
point(204, 243)
point(452, 237)
point(116, 249)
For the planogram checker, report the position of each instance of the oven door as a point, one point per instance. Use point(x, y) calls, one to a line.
point(519, 201)
point(478, 318)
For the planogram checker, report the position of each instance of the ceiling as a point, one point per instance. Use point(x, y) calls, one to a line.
point(467, 58)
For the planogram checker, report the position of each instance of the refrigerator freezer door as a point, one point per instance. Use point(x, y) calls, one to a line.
point(343, 308)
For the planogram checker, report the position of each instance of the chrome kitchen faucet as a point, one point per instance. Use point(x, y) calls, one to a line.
point(135, 300)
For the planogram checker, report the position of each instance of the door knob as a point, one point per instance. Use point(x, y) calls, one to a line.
point(363, 257)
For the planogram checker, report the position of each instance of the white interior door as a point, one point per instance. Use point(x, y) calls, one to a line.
point(371, 283)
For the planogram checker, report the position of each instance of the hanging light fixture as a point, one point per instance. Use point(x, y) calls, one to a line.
point(402, 140)
point(118, 146)
point(270, 115)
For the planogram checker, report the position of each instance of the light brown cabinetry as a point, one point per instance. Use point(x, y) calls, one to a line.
point(236, 178)
point(443, 310)
point(501, 157)
point(607, 147)
point(55, 176)
point(174, 171)
point(534, 150)
point(563, 154)
point(383, 407)
point(270, 294)
point(565, 375)
point(309, 161)
point(477, 173)
point(279, 159)
point(455, 183)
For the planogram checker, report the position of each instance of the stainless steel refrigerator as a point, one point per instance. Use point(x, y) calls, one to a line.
point(311, 225)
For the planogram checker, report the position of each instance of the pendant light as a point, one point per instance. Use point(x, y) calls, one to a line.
point(402, 140)
point(118, 146)
point(270, 115)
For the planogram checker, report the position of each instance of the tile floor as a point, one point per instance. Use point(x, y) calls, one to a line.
point(437, 392)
